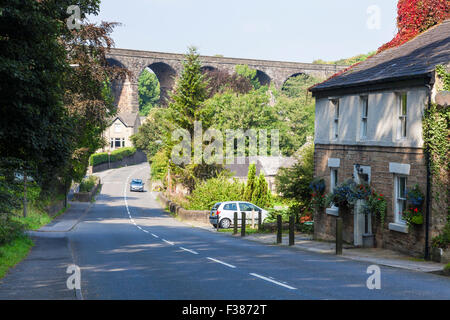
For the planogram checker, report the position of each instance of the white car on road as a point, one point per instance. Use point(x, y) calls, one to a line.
point(223, 213)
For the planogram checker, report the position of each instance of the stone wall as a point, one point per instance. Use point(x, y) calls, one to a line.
point(183, 214)
point(138, 157)
point(86, 196)
point(378, 158)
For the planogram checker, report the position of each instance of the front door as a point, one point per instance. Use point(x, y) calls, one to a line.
point(362, 222)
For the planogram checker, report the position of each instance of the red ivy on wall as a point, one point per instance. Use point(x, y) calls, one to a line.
point(416, 16)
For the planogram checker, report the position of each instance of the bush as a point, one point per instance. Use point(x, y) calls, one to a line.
point(214, 190)
point(9, 229)
point(88, 184)
point(116, 155)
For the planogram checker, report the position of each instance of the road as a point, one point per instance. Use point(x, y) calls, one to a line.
point(128, 248)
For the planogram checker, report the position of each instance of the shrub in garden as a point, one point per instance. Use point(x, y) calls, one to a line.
point(88, 184)
point(116, 155)
point(9, 229)
point(214, 190)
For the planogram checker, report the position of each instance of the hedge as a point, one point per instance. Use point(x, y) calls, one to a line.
point(116, 155)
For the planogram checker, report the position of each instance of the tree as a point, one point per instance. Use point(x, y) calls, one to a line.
point(186, 107)
point(149, 92)
point(249, 73)
point(293, 183)
point(153, 134)
point(262, 196)
point(416, 16)
point(251, 183)
point(220, 81)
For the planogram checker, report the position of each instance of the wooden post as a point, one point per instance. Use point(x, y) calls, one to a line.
point(259, 219)
point(279, 229)
point(253, 218)
point(235, 223)
point(339, 236)
point(291, 230)
point(243, 224)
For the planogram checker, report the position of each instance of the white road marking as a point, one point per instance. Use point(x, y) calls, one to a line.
point(273, 281)
point(188, 250)
point(155, 235)
point(221, 262)
point(168, 242)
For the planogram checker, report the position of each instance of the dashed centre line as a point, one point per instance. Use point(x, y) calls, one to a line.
point(221, 262)
point(188, 250)
point(273, 281)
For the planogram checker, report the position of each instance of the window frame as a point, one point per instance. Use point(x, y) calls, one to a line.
point(400, 199)
point(364, 117)
point(402, 111)
point(336, 103)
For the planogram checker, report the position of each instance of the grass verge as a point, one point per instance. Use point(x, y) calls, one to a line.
point(14, 252)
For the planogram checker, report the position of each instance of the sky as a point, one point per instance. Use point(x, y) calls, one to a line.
point(284, 30)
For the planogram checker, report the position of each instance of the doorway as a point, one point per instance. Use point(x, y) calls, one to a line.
point(362, 221)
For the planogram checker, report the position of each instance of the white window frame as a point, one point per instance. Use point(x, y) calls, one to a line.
point(364, 117)
point(402, 107)
point(334, 174)
point(400, 200)
point(336, 104)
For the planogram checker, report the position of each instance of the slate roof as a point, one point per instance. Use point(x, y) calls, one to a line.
point(266, 164)
point(415, 58)
point(128, 118)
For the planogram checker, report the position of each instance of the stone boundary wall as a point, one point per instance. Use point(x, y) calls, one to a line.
point(87, 196)
point(137, 158)
point(53, 209)
point(189, 215)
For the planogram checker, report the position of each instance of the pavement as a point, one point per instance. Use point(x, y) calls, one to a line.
point(305, 242)
point(128, 247)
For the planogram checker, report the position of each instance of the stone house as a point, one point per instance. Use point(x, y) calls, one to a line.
point(268, 165)
point(368, 128)
point(122, 127)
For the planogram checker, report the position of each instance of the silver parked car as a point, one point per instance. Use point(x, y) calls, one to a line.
point(137, 185)
point(222, 213)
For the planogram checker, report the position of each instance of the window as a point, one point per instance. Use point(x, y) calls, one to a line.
point(333, 179)
point(400, 198)
point(335, 102)
point(402, 115)
point(364, 113)
point(117, 143)
point(230, 206)
point(117, 127)
point(244, 206)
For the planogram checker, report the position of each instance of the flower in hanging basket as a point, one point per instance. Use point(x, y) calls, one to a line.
point(413, 216)
point(415, 196)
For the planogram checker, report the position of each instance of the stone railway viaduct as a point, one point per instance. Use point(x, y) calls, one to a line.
point(167, 66)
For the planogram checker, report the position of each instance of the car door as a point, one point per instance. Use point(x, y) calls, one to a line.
point(228, 211)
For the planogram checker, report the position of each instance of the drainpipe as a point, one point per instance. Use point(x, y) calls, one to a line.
point(428, 193)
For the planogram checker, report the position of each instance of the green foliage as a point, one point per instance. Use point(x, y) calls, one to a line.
point(9, 229)
point(251, 182)
point(376, 205)
point(159, 165)
point(214, 190)
point(153, 134)
point(14, 252)
point(149, 92)
point(347, 193)
point(293, 183)
point(249, 73)
point(88, 184)
point(262, 197)
point(347, 61)
point(442, 240)
point(116, 155)
point(445, 76)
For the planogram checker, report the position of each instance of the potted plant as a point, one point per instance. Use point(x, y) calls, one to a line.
point(415, 197)
point(317, 187)
point(376, 205)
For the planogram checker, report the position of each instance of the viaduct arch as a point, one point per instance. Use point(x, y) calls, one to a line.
point(167, 66)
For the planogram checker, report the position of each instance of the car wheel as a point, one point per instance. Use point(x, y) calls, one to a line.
point(225, 223)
